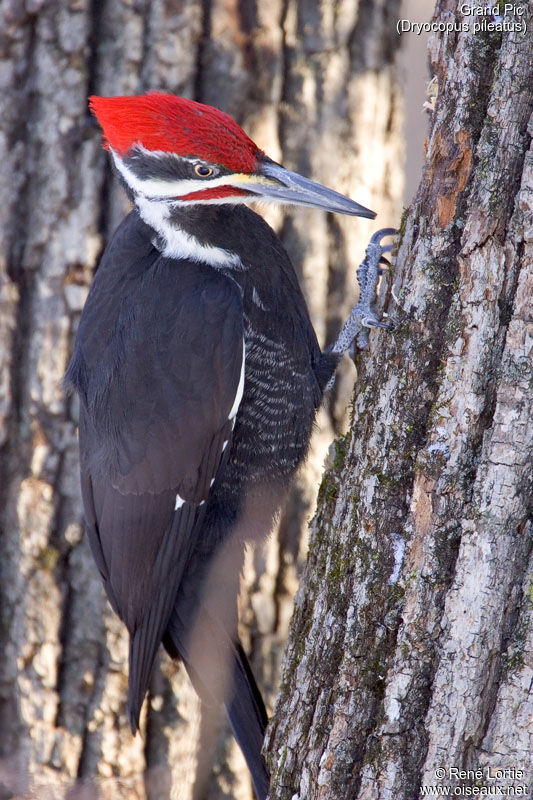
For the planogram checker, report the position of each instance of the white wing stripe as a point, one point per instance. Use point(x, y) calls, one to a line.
point(240, 387)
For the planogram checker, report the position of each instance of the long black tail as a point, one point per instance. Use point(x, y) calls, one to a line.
point(241, 697)
point(202, 631)
point(248, 719)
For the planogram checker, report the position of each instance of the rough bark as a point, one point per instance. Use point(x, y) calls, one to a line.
point(410, 654)
point(313, 83)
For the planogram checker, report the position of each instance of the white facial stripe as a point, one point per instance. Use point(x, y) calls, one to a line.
point(179, 502)
point(149, 188)
point(178, 188)
point(178, 243)
point(240, 387)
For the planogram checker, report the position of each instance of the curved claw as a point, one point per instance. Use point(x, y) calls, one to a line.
point(381, 234)
point(374, 322)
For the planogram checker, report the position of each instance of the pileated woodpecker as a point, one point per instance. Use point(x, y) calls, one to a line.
point(199, 375)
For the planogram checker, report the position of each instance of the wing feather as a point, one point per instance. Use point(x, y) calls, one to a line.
point(157, 365)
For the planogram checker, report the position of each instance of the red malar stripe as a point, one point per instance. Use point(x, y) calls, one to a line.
point(215, 193)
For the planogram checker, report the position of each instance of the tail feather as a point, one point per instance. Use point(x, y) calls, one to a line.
point(202, 630)
point(242, 699)
point(248, 719)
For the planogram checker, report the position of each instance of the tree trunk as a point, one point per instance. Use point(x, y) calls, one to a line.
point(313, 83)
point(410, 654)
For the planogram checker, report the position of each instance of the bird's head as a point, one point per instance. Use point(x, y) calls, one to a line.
point(172, 149)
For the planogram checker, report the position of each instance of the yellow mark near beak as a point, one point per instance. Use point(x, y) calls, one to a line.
point(243, 178)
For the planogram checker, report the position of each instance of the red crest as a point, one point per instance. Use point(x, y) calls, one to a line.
point(172, 124)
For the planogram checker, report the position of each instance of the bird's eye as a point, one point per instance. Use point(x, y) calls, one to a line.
point(202, 171)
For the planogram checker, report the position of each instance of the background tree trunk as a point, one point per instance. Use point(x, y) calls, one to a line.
point(313, 83)
point(410, 653)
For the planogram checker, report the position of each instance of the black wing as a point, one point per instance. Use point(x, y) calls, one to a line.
point(159, 367)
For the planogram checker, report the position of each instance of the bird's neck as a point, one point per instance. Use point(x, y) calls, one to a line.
point(186, 232)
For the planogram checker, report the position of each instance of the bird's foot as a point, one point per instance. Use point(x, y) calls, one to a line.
point(363, 315)
point(368, 276)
